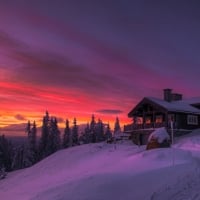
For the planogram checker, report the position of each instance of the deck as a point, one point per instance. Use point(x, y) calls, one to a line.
point(139, 133)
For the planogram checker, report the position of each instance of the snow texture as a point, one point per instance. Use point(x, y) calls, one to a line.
point(104, 171)
point(176, 106)
point(160, 134)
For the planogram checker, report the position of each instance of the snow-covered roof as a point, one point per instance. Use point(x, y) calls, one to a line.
point(194, 100)
point(175, 106)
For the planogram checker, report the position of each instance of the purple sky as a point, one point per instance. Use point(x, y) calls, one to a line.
point(94, 56)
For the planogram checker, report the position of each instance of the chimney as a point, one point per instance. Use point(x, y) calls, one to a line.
point(168, 95)
point(176, 97)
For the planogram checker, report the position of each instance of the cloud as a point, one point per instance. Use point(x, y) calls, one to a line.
point(16, 130)
point(109, 111)
point(128, 55)
point(49, 69)
point(20, 117)
point(13, 127)
point(6, 41)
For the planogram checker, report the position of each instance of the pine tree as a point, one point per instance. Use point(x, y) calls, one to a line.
point(74, 133)
point(117, 128)
point(99, 131)
point(81, 138)
point(33, 141)
point(93, 129)
point(54, 137)
point(67, 135)
point(56, 132)
point(43, 146)
point(87, 135)
point(30, 155)
point(108, 133)
point(6, 153)
point(18, 161)
point(28, 129)
point(92, 124)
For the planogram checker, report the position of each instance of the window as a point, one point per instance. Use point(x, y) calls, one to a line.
point(138, 120)
point(192, 119)
point(148, 120)
point(159, 118)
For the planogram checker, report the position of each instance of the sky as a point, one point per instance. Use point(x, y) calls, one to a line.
point(76, 58)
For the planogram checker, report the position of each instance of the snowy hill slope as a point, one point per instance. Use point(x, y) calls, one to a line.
point(101, 172)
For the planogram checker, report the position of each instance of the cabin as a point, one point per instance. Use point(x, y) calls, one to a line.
point(170, 112)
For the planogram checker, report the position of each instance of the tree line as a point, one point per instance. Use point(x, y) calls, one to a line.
point(51, 140)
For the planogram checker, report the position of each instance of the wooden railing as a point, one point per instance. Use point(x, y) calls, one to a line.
point(131, 127)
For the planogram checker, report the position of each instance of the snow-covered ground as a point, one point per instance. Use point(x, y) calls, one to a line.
point(103, 172)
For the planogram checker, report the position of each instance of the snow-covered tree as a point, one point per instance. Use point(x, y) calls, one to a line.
point(117, 128)
point(33, 140)
point(57, 140)
point(54, 137)
point(28, 129)
point(30, 154)
point(108, 133)
point(93, 129)
point(6, 153)
point(74, 133)
point(43, 145)
point(87, 134)
point(92, 123)
point(19, 161)
point(99, 130)
point(67, 135)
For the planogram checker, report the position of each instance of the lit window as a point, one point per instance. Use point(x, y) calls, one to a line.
point(148, 120)
point(139, 120)
point(159, 118)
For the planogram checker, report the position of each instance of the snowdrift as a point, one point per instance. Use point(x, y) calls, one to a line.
point(101, 171)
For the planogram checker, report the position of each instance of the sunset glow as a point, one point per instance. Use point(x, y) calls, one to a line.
point(78, 58)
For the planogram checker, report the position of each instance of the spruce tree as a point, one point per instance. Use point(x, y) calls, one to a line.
point(34, 137)
point(99, 131)
point(67, 135)
point(92, 124)
point(29, 156)
point(117, 128)
point(93, 129)
point(87, 134)
point(6, 153)
point(28, 129)
point(54, 137)
point(43, 145)
point(18, 159)
point(108, 133)
point(56, 133)
point(74, 133)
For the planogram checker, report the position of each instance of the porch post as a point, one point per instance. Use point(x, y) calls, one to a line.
point(166, 120)
point(143, 117)
point(153, 119)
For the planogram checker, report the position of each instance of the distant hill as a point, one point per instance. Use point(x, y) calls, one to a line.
point(19, 130)
point(14, 130)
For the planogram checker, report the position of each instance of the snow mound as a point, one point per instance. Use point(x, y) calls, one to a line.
point(188, 185)
point(163, 154)
point(190, 142)
point(105, 171)
point(160, 134)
